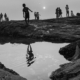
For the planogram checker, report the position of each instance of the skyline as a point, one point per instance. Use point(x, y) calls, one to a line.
point(13, 8)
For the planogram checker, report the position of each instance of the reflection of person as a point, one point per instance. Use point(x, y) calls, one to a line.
point(30, 52)
point(26, 13)
point(30, 56)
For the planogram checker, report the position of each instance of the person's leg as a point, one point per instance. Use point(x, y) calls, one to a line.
point(61, 15)
point(30, 48)
point(28, 20)
point(25, 20)
point(68, 13)
point(35, 17)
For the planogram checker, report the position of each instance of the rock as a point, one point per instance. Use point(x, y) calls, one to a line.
point(71, 70)
point(9, 74)
point(68, 71)
point(78, 14)
point(69, 51)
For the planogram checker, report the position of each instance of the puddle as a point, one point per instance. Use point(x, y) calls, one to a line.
point(48, 59)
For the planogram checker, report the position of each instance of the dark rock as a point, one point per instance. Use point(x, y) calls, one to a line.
point(69, 51)
point(6, 69)
point(9, 74)
point(68, 71)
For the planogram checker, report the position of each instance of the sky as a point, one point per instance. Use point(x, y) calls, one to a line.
point(46, 8)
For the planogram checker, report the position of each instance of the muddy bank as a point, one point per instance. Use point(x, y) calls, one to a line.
point(9, 74)
point(64, 30)
point(68, 71)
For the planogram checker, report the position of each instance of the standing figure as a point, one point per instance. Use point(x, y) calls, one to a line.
point(57, 14)
point(1, 17)
point(67, 10)
point(72, 14)
point(60, 12)
point(38, 15)
point(6, 17)
point(26, 13)
point(35, 15)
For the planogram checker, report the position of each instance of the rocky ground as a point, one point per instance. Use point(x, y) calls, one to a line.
point(63, 30)
point(52, 30)
point(9, 74)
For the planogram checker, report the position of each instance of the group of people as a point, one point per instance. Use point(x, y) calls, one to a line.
point(36, 14)
point(59, 12)
point(5, 17)
point(26, 13)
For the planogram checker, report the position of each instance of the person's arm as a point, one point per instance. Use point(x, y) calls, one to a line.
point(30, 10)
point(30, 48)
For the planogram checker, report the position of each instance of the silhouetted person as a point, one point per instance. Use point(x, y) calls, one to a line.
point(38, 15)
point(30, 56)
point(35, 15)
point(60, 12)
point(72, 14)
point(57, 12)
point(1, 17)
point(26, 13)
point(67, 10)
point(6, 17)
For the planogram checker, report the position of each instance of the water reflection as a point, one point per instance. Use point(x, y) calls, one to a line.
point(47, 59)
point(30, 56)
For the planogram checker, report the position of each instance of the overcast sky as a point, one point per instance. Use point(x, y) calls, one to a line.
point(13, 8)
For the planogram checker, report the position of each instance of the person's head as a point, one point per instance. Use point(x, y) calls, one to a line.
point(67, 5)
point(24, 5)
point(58, 7)
point(71, 11)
